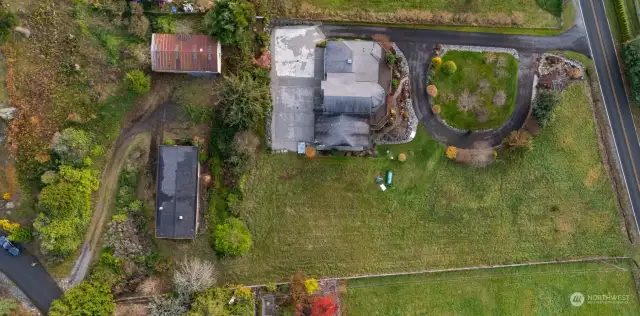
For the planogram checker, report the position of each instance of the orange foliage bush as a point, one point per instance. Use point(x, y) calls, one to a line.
point(432, 90)
point(383, 40)
point(436, 109)
point(451, 152)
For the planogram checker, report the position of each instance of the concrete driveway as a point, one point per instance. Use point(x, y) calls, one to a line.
point(295, 84)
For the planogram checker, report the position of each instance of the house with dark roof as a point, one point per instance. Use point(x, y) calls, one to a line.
point(185, 53)
point(357, 81)
point(177, 192)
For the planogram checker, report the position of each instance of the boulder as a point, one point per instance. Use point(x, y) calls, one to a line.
point(10, 205)
point(7, 113)
point(25, 32)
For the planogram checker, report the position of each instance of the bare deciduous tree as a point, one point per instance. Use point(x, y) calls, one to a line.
point(194, 275)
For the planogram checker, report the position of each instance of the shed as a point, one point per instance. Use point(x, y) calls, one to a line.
point(185, 53)
point(177, 192)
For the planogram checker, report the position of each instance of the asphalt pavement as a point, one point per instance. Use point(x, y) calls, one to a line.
point(33, 280)
point(603, 52)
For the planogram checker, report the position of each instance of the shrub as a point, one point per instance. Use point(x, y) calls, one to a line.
point(66, 210)
point(8, 20)
point(552, 6)
point(299, 289)
point(8, 306)
point(137, 82)
point(451, 152)
point(119, 218)
point(311, 285)
point(631, 56)
point(402, 157)
point(321, 44)
point(167, 306)
point(244, 100)
point(230, 20)
point(324, 306)
point(391, 58)
point(519, 139)
point(271, 287)
point(138, 22)
point(194, 275)
point(432, 90)
point(232, 238)
point(394, 83)
point(449, 67)
point(436, 109)
point(72, 146)
point(436, 61)
point(543, 106)
point(169, 142)
point(623, 19)
point(198, 114)
point(6, 196)
point(165, 25)
point(211, 302)
point(88, 298)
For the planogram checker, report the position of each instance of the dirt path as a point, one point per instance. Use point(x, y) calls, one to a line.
point(138, 132)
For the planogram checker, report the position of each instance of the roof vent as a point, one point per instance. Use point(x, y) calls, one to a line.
point(160, 208)
point(349, 61)
point(180, 217)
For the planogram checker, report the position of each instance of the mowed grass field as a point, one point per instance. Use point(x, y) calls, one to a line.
point(537, 290)
point(534, 14)
point(327, 217)
point(466, 97)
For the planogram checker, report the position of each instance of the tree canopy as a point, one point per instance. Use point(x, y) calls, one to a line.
point(232, 238)
point(8, 20)
point(88, 298)
point(230, 20)
point(631, 56)
point(72, 146)
point(244, 100)
point(65, 210)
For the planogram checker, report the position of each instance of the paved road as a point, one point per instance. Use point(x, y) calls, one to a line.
point(34, 281)
point(618, 108)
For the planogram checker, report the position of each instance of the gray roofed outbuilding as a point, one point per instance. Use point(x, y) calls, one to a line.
point(177, 192)
point(342, 131)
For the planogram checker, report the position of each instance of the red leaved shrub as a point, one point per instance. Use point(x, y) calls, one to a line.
point(324, 306)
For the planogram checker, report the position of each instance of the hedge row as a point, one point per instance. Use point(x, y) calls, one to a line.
point(623, 19)
point(631, 56)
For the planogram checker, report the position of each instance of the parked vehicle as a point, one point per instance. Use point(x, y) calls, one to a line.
point(9, 246)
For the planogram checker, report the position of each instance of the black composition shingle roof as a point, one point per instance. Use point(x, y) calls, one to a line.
point(177, 192)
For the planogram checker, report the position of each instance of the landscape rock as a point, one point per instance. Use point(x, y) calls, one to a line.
point(25, 32)
point(7, 113)
point(10, 205)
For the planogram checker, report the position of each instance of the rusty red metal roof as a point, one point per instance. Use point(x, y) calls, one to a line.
point(185, 53)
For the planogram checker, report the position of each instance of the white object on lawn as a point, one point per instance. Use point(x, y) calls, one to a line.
point(383, 187)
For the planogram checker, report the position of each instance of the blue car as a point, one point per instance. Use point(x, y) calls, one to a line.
point(8, 246)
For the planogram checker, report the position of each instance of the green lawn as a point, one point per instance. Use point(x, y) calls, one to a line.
point(327, 217)
point(467, 96)
point(374, 10)
point(537, 290)
point(568, 21)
